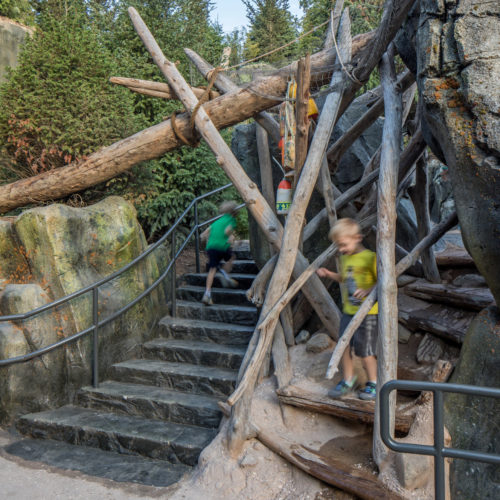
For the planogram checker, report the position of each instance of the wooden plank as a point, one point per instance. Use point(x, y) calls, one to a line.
point(448, 323)
point(334, 472)
point(473, 299)
point(453, 256)
point(347, 408)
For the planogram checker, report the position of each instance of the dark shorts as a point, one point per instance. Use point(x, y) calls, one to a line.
point(364, 340)
point(216, 256)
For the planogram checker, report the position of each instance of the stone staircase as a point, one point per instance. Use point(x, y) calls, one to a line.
point(151, 420)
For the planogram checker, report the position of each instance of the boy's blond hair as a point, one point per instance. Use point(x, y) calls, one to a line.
point(227, 207)
point(344, 227)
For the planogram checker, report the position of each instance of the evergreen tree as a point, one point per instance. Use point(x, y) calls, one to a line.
point(271, 26)
point(365, 16)
point(18, 10)
point(57, 104)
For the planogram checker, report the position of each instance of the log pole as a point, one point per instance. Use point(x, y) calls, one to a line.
point(301, 119)
point(387, 348)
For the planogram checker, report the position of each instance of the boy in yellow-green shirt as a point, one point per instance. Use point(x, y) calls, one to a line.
point(357, 277)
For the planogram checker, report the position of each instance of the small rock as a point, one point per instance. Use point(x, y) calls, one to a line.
point(403, 334)
point(302, 337)
point(249, 460)
point(429, 350)
point(470, 280)
point(318, 343)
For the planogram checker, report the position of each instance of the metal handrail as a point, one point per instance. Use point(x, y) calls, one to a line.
point(438, 451)
point(94, 287)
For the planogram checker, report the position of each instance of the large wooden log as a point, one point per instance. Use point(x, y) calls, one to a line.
point(474, 299)
point(153, 142)
point(387, 346)
point(334, 472)
point(352, 409)
point(301, 118)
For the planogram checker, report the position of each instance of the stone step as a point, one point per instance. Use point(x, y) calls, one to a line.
point(205, 331)
point(242, 250)
point(99, 463)
point(152, 402)
point(199, 279)
point(184, 377)
point(245, 266)
point(194, 352)
point(176, 443)
point(219, 295)
point(240, 315)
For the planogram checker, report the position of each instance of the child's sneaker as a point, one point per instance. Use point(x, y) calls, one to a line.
point(226, 280)
point(207, 299)
point(342, 388)
point(369, 392)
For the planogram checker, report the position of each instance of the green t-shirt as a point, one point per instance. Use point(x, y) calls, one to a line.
point(218, 239)
point(357, 271)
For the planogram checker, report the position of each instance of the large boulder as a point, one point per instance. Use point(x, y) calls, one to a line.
point(12, 36)
point(65, 249)
point(472, 421)
point(457, 51)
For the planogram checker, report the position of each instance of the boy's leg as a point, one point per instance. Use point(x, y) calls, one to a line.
point(347, 365)
point(365, 346)
point(210, 278)
point(228, 266)
point(370, 366)
point(226, 280)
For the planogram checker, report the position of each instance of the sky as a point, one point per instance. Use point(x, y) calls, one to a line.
point(232, 13)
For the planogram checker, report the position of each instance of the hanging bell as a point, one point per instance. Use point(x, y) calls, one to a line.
point(283, 197)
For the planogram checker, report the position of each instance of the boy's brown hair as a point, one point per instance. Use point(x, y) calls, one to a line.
point(344, 227)
point(227, 207)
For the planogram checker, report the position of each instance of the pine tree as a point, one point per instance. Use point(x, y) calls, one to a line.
point(271, 26)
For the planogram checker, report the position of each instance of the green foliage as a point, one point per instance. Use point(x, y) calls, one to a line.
point(57, 105)
point(236, 40)
point(18, 10)
point(271, 26)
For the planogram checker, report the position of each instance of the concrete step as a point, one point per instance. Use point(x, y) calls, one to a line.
point(240, 315)
point(228, 296)
point(199, 279)
point(242, 250)
point(194, 352)
point(183, 377)
point(245, 266)
point(152, 402)
point(99, 463)
point(175, 443)
point(205, 331)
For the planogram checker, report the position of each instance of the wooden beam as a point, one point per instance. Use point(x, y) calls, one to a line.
point(155, 89)
point(301, 118)
point(419, 195)
point(387, 346)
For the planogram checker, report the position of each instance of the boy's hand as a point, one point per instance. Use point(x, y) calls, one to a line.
point(360, 293)
point(322, 272)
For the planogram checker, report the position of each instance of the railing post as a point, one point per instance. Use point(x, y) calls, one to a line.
point(197, 237)
point(439, 469)
point(172, 276)
point(95, 335)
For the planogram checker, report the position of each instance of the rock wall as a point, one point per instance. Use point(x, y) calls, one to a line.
point(454, 48)
point(12, 36)
point(47, 253)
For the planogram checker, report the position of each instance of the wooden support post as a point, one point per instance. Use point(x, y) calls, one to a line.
point(419, 195)
point(387, 348)
point(302, 120)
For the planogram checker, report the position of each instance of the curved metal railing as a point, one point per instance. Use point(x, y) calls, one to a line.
point(94, 289)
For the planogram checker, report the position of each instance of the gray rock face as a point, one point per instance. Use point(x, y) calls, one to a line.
point(318, 343)
point(12, 36)
point(473, 422)
point(457, 48)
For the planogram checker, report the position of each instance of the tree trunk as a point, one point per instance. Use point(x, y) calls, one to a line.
point(301, 119)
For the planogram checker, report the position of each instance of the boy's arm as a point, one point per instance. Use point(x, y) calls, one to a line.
point(205, 234)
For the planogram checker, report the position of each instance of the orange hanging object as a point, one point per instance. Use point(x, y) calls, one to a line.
point(283, 197)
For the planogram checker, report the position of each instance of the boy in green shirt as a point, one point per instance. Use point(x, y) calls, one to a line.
point(218, 249)
point(357, 277)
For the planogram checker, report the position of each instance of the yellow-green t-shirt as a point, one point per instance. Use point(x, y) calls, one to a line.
point(357, 271)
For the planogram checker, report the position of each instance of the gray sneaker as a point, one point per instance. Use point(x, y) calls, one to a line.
point(227, 281)
point(369, 392)
point(207, 299)
point(342, 388)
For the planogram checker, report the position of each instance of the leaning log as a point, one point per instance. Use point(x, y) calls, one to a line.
point(153, 142)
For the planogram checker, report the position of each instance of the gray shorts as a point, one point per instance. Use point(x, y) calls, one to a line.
point(364, 340)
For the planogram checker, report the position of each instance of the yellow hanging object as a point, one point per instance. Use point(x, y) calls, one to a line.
point(312, 109)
